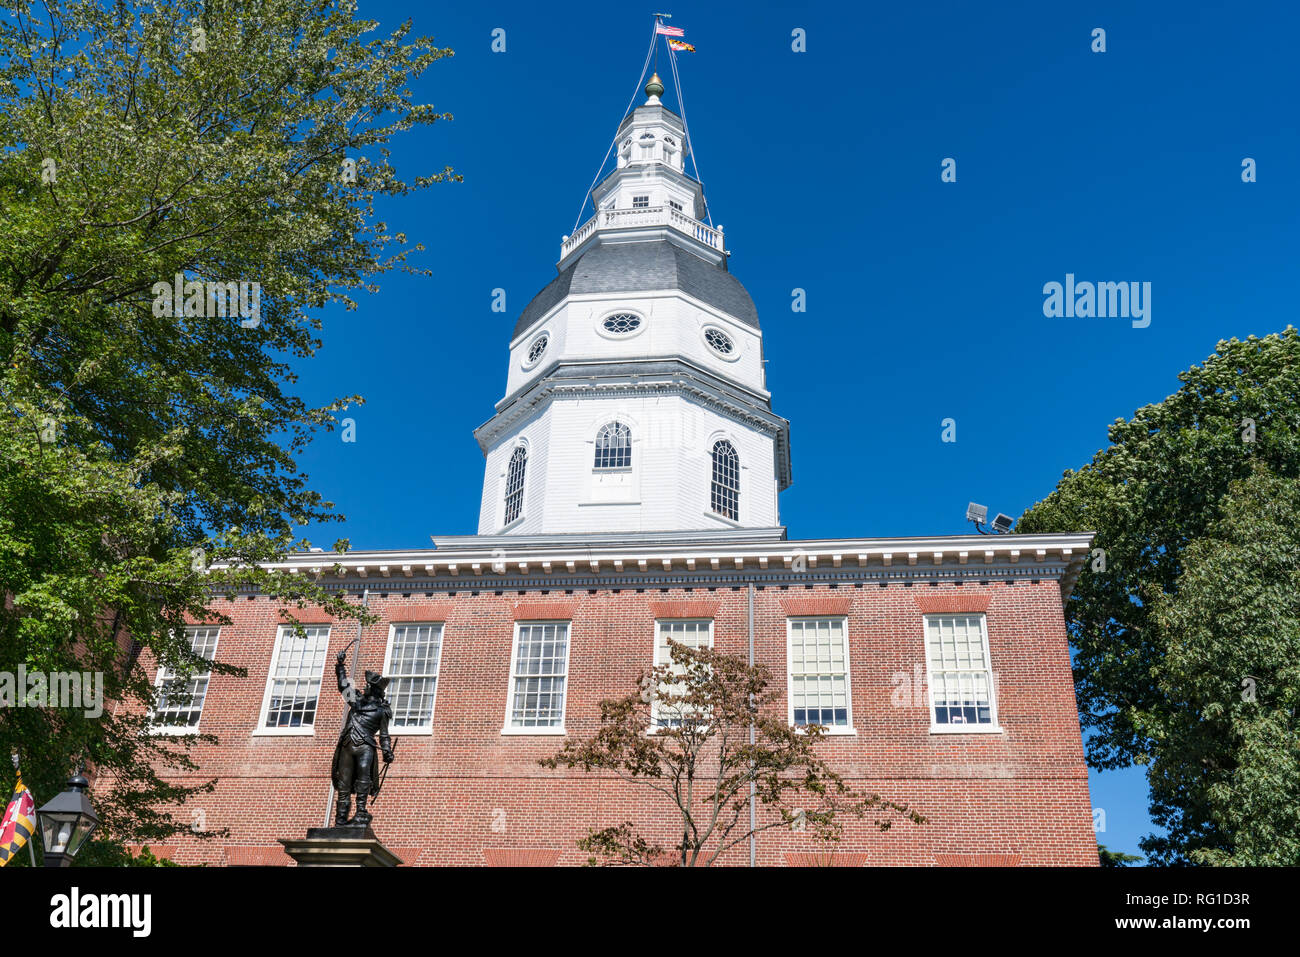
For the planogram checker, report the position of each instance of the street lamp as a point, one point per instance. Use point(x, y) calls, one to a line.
point(67, 822)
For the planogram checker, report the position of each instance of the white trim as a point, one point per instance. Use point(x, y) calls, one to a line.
point(733, 355)
point(261, 730)
point(994, 727)
point(828, 730)
point(521, 442)
point(621, 336)
point(177, 731)
point(654, 657)
point(437, 671)
point(524, 362)
point(507, 728)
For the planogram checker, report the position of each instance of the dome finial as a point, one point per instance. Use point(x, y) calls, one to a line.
point(655, 88)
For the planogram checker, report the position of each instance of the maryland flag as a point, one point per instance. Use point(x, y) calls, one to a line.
point(681, 46)
point(19, 822)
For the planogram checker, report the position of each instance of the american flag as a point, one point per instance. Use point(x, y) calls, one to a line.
point(664, 30)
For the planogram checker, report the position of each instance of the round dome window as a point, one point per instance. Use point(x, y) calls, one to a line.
point(622, 324)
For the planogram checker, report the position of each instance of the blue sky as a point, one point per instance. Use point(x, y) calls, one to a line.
point(924, 298)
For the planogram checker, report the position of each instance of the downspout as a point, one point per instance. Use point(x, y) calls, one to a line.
point(352, 670)
point(753, 840)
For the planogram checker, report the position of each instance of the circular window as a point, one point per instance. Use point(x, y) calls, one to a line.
point(622, 324)
point(536, 350)
point(719, 341)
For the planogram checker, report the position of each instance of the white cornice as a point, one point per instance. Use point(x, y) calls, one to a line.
point(574, 564)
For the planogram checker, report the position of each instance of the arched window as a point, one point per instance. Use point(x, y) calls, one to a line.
point(725, 491)
point(515, 483)
point(614, 447)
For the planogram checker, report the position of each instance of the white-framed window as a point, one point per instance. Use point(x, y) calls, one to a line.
point(819, 673)
point(613, 447)
point(640, 202)
point(960, 674)
point(539, 672)
point(411, 664)
point(294, 682)
point(724, 490)
point(675, 205)
point(180, 699)
point(693, 633)
point(515, 484)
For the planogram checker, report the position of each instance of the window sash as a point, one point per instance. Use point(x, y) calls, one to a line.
point(724, 490)
point(820, 691)
point(692, 632)
point(413, 659)
point(294, 683)
point(614, 447)
point(182, 708)
point(961, 676)
point(514, 497)
point(538, 676)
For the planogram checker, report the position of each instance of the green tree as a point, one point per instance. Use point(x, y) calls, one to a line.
point(1111, 858)
point(148, 449)
point(685, 735)
point(1185, 602)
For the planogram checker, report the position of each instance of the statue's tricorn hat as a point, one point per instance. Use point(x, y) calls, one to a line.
point(376, 682)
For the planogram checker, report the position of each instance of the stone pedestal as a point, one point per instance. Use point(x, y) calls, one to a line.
point(339, 847)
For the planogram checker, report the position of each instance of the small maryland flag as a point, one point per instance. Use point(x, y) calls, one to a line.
point(681, 46)
point(19, 822)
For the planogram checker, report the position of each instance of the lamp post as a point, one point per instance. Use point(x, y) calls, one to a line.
point(66, 823)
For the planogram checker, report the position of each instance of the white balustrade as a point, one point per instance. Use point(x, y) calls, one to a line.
point(645, 216)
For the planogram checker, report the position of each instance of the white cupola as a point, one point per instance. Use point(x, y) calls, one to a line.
point(635, 395)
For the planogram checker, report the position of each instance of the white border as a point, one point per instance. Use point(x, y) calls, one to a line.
point(176, 731)
point(506, 727)
point(733, 355)
point(532, 341)
point(437, 670)
point(935, 728)
point(828, 730)
point(621, 336)
point(504, 477)
point(301, 731)
point(654, 658)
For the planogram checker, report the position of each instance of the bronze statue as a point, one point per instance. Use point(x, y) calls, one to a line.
point(355, 768)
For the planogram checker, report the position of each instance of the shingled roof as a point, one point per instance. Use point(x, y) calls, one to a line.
point(641, 267)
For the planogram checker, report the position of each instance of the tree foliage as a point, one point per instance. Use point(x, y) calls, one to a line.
point(685, 735)
point(148, 455)
point(1185, 632)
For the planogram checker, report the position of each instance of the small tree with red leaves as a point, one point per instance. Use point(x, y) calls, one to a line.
point(701, 731)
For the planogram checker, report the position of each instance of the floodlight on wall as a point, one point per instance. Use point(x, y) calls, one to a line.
point(978, 514)
point(1002, 523)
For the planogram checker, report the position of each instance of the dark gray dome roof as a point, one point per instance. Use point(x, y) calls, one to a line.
point(640, 267)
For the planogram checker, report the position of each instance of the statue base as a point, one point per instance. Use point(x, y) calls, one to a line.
point(339, 847)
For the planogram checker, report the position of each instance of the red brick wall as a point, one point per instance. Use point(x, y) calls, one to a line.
point(466, 794)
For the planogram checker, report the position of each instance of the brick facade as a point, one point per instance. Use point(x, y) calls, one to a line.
point(467, 794)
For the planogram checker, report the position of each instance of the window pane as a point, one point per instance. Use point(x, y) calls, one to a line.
point(960, 680)
point(819, 681)
point(180, 700)
point(296, 677)
point(541, 664)
point(413, 671)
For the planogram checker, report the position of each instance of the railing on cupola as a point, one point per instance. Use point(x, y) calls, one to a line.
point(645, 216)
